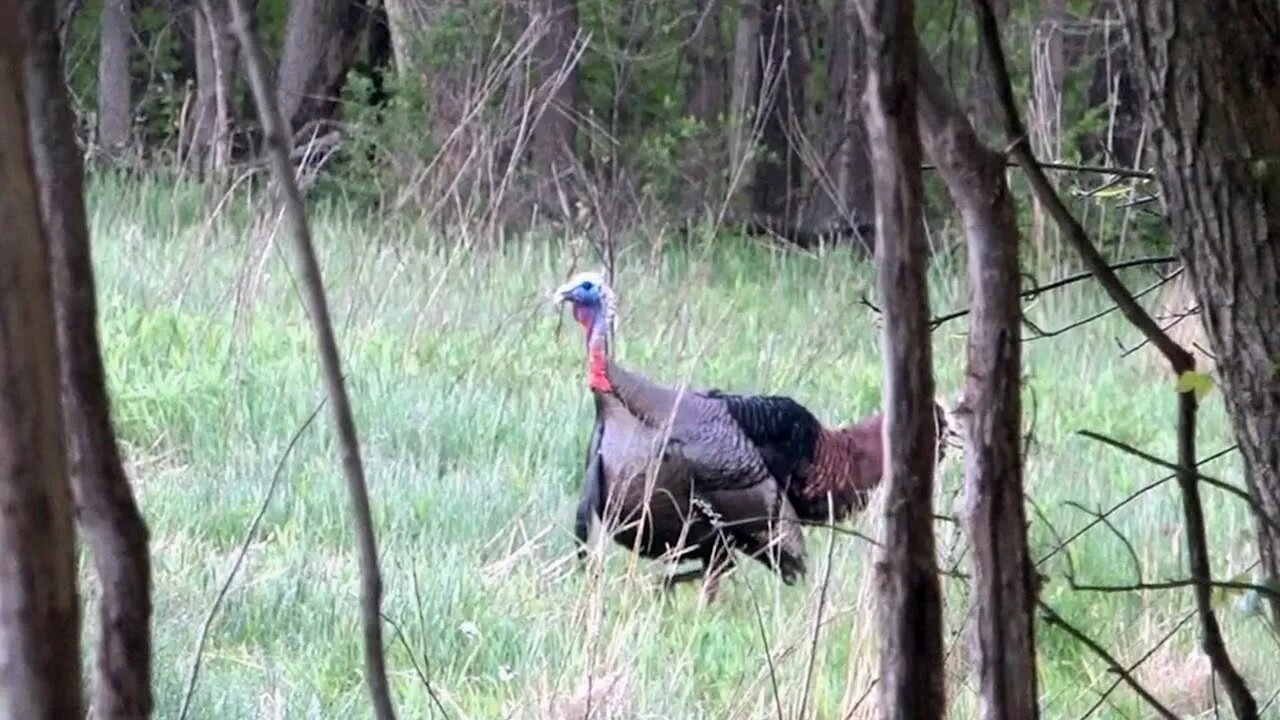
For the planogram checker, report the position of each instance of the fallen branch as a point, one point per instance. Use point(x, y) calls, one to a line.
point(275, 132)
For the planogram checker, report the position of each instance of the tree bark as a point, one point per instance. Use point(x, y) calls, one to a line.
point(552, 147)
point(911, 674)
point(39, 605)
point(1207, 73)
point(320, 44)
point(115, 112)
point(1002, 588)
point(116, 533)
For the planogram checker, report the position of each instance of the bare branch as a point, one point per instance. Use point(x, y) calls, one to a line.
point(1228, 487)
point(1020, 148)
point(1064, 544)
point(1033, 292)
point(1053, 618)
point(275, 132)
point(1177, 584)
point(1119, 172)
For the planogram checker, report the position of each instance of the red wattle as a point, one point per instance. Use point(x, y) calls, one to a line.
point(597, 370)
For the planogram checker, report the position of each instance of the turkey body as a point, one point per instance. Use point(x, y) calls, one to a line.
point(671, 477)
point(699, 474)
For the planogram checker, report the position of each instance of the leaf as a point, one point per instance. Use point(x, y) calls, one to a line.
point(1197, 382)
point(1114, 191)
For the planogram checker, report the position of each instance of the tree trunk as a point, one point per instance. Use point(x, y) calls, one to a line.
point(216, 50)
point(744, 92)
point(320, 44)
point(841, 197)
point(39, 605)
point(704, 101)
point(1002, 587)
point(1208, 75)
point(552, 147)
point(112, 523)
point(982, 93)
point(911, 672)
point(783, 74)
point(115, 112)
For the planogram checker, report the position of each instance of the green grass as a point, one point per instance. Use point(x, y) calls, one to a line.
point(473, 413)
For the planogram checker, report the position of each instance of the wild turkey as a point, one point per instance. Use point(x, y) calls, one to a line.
point(736, 471)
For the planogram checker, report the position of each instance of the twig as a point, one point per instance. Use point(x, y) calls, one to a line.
point(768, 652)
point(1053, 618)
point(1133, 554)
point(1119, 172)
point(275, 133)
point(822, 604)
point(1175, 584)
point(1225, 486)
point(235, 566)
point(1041, 333)
point(421, 673)
point(1137, 663)
point(1059, 283)
point(1062, 546)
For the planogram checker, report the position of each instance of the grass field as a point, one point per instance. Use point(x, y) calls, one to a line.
point(473, 413)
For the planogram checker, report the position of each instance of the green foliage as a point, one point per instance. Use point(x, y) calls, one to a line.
point(473, 415)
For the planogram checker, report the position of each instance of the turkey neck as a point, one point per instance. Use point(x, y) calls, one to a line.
point(648, 401)
point(847, 459)
point(594, 322)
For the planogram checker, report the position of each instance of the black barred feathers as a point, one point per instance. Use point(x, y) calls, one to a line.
point(783, 430)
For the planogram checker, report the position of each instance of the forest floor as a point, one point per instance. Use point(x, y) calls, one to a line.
point(473, 413)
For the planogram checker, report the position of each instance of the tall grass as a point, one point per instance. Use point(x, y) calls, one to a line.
point(473, 414)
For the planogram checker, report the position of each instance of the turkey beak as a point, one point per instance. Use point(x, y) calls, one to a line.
point(562, 294)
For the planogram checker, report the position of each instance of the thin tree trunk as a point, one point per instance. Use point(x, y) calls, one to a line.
point(39, 604)
point(1208, 76)
point(1002, 587)
point(745, 90)
point(911, 667)
point(552, 147)
point(841, 196)
point(215, 50)
point(114, 96)
point(275, 129)
point(320, 44)
point(783, 76)
point(705, 102)
point(112, 524)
